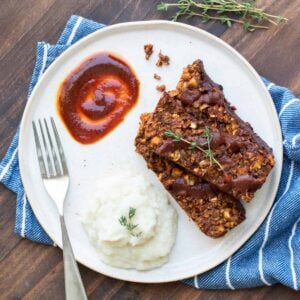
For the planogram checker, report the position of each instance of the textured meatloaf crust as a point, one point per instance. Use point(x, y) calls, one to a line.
point(196, 104)
point(213, 211)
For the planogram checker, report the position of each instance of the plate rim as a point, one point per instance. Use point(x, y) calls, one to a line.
point(276, 126)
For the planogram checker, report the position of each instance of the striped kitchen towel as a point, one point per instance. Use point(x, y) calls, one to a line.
point(270, 256)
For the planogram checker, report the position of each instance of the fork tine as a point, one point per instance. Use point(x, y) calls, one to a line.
point(60, 148)
point(49, 162)
point(39, 152)
point(55, 159)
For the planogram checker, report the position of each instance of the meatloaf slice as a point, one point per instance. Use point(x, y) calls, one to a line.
point(238, 162)
point(213, 211)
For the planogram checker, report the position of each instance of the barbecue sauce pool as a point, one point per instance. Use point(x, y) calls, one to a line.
point(96, 96)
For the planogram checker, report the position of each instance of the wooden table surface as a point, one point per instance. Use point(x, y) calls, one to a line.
point(34, 271)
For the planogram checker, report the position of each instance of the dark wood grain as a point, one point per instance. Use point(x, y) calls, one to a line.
point(33, 271)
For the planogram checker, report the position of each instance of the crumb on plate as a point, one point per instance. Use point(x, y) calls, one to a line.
point(148, 48)
point(162, 60)
point(156, 76)
point(161, 88)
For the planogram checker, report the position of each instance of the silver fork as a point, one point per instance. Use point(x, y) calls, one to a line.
point(55, 177)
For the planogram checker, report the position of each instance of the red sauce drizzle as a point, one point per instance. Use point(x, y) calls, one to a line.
point(96, 97)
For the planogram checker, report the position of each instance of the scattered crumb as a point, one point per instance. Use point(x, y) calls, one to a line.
point(148, 48)
point(156, 76)
point(163, 59)
point(161, 88)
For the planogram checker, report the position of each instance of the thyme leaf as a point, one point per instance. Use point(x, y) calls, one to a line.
point(128, 223)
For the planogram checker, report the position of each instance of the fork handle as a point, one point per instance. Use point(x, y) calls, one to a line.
point(74, 287)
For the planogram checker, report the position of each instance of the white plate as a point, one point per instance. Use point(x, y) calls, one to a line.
point(193, 252)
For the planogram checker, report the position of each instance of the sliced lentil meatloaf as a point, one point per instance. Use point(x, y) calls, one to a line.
point(239, 160)
point(212, 210)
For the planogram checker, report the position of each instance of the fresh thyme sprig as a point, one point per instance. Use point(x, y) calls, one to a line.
point(128, 223)
point(193, 144)
point(225, 11)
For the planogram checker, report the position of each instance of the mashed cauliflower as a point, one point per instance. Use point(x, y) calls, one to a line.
point(146, 246)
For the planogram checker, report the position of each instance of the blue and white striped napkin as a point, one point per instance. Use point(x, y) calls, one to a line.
point(270, 256)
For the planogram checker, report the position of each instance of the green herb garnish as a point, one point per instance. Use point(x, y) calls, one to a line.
point(128, 223)
point(193, 144)
point(225, 11)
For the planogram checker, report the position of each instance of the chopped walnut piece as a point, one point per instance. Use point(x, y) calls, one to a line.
point(156, 76)
point(156, 140)
point(162, 60)
point(161, 88)
point(148, 48)
point(176, 172)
